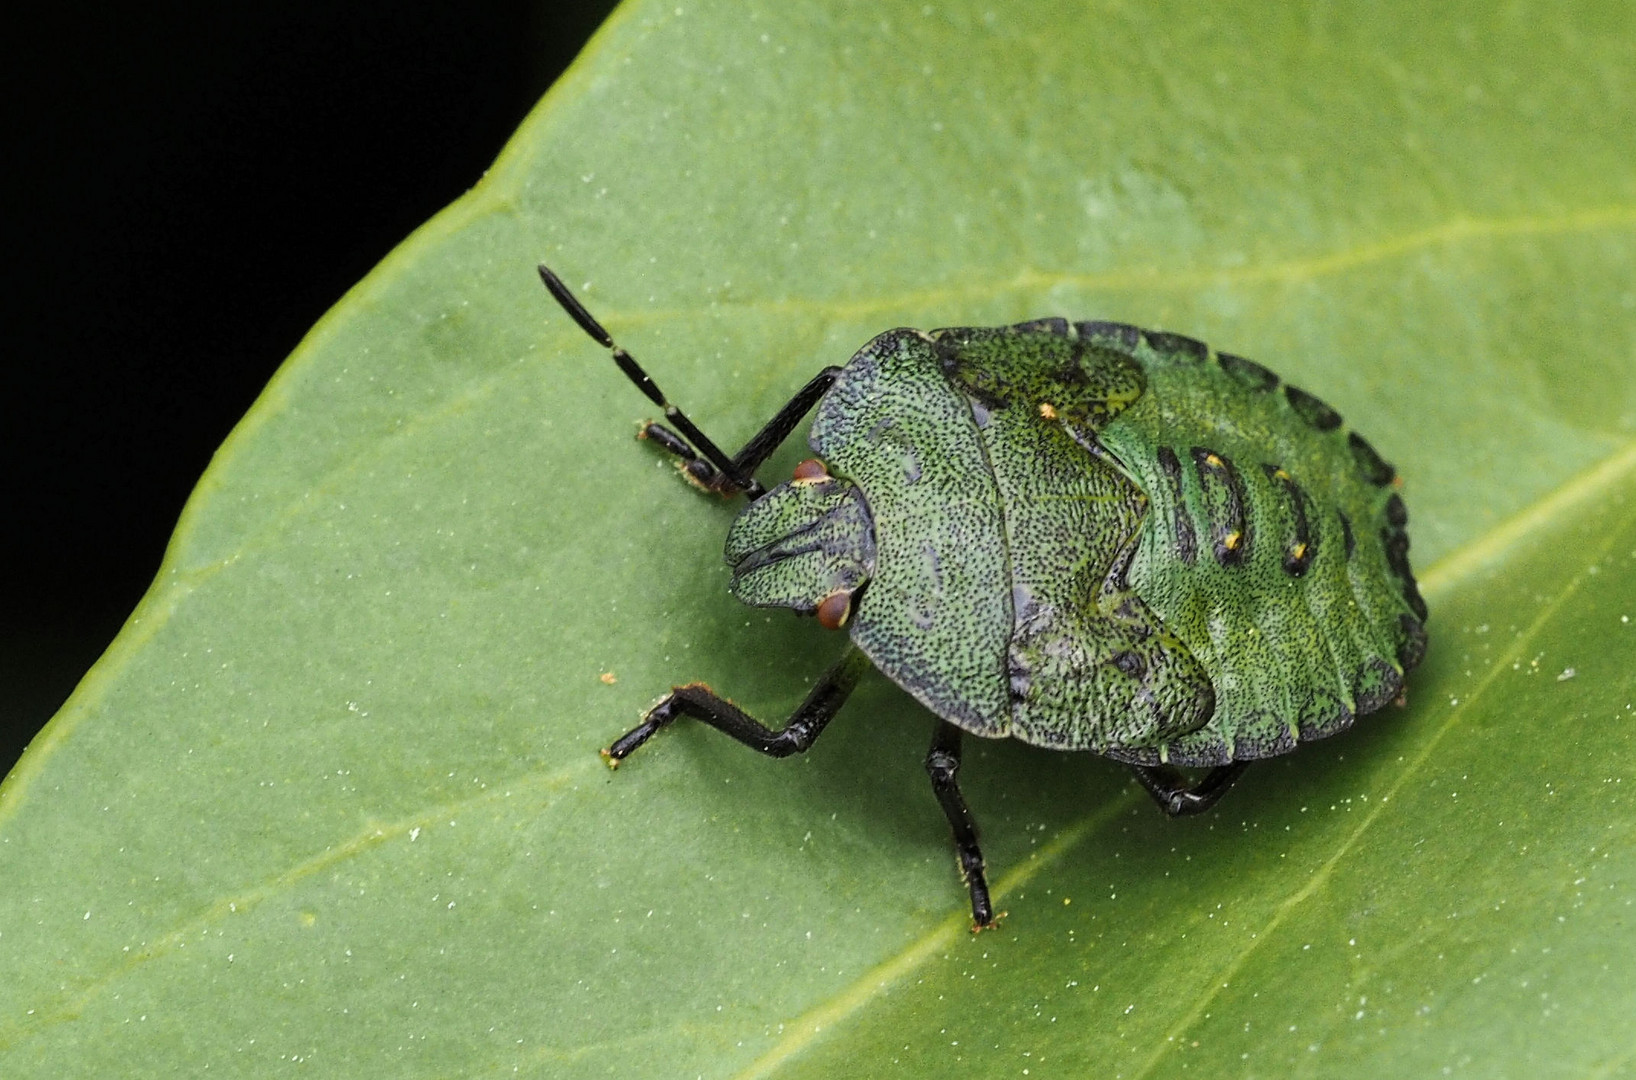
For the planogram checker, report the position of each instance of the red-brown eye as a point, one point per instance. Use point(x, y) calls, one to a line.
point(833, 610)
point(811, 469)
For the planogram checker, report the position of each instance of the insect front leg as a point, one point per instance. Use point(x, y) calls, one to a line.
point(755, 452)
point(943, 766)
point(703, 461)
point(701, 703)
point(697, 470)
point(1177, 795)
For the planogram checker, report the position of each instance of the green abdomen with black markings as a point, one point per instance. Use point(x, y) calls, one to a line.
point(1273, 547)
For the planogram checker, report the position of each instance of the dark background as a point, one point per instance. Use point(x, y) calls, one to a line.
point(198, 185)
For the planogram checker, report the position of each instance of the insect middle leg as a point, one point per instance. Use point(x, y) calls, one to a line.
point(943, 766)
point(797, 734)
point(1179, 796)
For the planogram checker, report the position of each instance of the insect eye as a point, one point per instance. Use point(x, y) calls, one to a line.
point(834, 609)
point(811, 469)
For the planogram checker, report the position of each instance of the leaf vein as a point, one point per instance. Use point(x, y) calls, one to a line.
point(1289, 271)
point(369, 838)
point(1321, 876)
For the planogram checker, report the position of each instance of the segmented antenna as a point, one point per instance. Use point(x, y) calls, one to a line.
point(633, 371)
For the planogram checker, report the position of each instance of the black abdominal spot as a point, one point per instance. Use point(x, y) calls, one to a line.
point(1187, 544)
point(1374, 470)
point(1224, 503)
point(1247, 373)
point(1121, 336)
point(1312, 410)
point(1052, 325)
point(1162, 341)
point(1413, 649)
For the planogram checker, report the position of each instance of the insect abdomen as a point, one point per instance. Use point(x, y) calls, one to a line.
point(1274, 549)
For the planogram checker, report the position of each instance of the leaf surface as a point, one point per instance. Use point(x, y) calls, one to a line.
point(333, 798)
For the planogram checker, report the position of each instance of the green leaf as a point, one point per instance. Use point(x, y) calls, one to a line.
point(333, 797)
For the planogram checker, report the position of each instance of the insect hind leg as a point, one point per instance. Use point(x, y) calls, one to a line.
point(943, 766)
point(1178, 796)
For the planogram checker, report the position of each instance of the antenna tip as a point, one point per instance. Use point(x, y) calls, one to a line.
point(576, 311)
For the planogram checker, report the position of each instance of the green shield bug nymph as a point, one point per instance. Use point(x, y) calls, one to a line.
point(1085, 535)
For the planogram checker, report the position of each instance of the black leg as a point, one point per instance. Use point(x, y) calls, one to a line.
point(943, 765)
point(775, 431)
point(1177, 795)
point(702, 459)
point(798, 733)
point(757, 450)
point(697, 470)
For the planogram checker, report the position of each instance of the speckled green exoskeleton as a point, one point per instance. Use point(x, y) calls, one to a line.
point(1086, 536)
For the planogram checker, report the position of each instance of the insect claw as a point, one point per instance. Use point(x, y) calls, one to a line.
point(608, 759)
point(992, 924)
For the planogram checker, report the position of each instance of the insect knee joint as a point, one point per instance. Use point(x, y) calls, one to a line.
point(941, 766)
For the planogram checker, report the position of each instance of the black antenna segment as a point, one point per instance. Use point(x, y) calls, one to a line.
point(733, 475)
